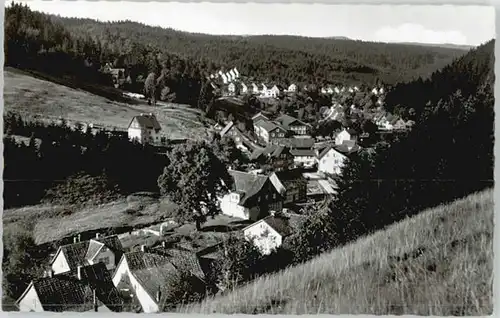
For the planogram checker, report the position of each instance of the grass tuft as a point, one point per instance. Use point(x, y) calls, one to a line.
point(439, 262)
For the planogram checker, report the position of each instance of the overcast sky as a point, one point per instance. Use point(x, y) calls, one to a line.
point(470, 25)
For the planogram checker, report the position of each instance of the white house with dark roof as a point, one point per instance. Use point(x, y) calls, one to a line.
point(251, 197)
point(293, 125)
point(332, 159)
point(304, 157)
point(292, 88)
point(107, 250)
point(267, 130)
point(150, 273)
point(144, 128)
point(90, 290)
point(270, 232)
point(232, 89)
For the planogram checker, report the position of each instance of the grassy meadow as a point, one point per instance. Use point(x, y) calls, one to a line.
point(46, 100)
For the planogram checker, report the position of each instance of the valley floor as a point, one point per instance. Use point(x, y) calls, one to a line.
point(439, 262)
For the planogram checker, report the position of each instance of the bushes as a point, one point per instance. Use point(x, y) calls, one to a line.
point(83, 188)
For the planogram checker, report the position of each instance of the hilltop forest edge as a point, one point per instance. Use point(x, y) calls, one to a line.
point(448, 154)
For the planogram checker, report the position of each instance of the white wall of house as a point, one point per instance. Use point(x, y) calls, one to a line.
point(60, 265)
point(292, 88)
point(332, 162)
point(229, 206)
point(30, 301)
point(148, 304)
point(105, 256)
point(299, 129)
point(307, 161)
point(264, 237)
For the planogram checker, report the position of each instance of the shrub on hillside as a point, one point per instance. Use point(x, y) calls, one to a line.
point(81, 189)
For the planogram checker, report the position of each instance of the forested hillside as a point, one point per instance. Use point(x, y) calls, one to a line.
point(464, 76)
point(277, 57)
point(77, 48)
point(447, 155)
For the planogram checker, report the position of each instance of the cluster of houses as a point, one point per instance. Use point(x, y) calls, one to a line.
point(390, 122)
point(99, 275)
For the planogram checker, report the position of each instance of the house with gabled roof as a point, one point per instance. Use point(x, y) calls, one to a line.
point(292, 88)
point(304, 157)
point(255, 89)
point(293, 124)
point(259, 116)
point(149, 276)
point(144, 128)
point(277, 155)
point(332, 159)
point(296, 143)
point(267, 130)
point(270, 232)
point(252, 196)
point(291, 184)
point(244, 88)
point(91, 289)
point(233, 89)
point(346, 134)
point(107, 250)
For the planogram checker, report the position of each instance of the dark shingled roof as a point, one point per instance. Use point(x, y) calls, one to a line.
point(302, 152)
point(75, 254)
point(271, 150)
point(285, 223)
point(286, 121)
point(147, 121)
point(300, 143)
point(66, 293)
point(153, 271)
point(268, 125)
point(247, 183)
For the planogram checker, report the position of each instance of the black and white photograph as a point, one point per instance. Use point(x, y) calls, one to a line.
point(248, 158)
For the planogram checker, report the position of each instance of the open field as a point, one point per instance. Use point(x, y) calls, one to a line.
point(439, 262)
point(50, 223)
point(31, 96)
point(54, 222)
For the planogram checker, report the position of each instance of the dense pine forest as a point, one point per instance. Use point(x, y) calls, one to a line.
point(181, 61)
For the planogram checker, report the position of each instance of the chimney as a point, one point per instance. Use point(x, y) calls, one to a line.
point(79, 236)
point(158, 295)
point(95, 300)
point(79, 272)
point(143, 248)
point(97, 235)
point(50, 272)
point(75, 239)
point(272, 213)
point(163, 244)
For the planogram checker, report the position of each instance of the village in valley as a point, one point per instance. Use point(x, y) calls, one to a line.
point(220, 174)
point(286, 172)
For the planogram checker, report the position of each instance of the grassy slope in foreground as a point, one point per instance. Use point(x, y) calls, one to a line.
point(439, 262)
